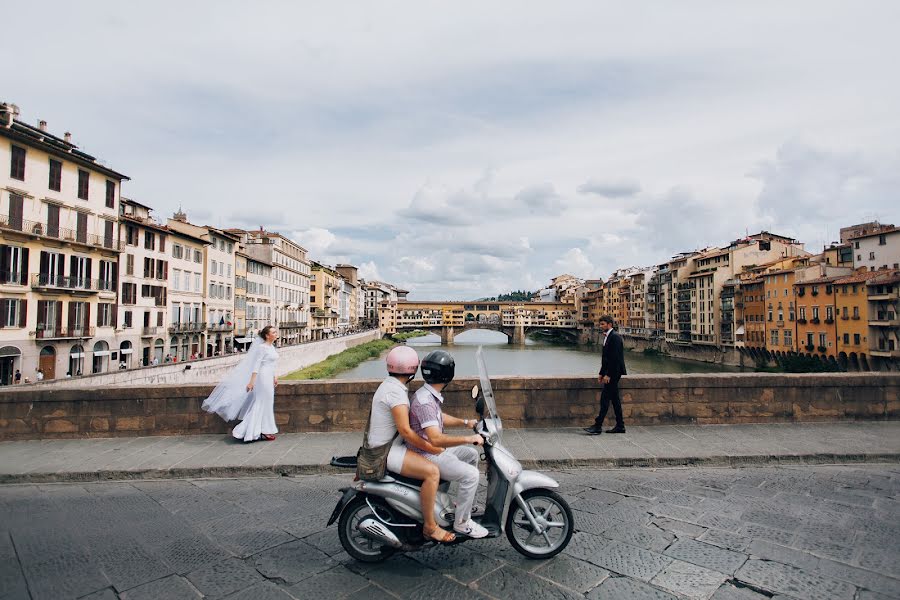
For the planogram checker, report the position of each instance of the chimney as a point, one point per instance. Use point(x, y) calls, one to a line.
point(42, 125)
point(67, 136)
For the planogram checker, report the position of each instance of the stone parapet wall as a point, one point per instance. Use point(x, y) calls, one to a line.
point(524, 402)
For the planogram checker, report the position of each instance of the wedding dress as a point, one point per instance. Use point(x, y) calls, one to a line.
point(256, 409)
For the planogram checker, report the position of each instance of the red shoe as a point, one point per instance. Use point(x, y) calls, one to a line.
point(267, 437)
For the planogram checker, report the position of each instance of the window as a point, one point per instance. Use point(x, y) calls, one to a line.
point(17, 163)
point(856, 339)
point(846, 338)
point(104, 315)
point(129, 293)
point(829, 313)
point(149, 240)
point(13, 265)
point(55, 182)
point(882, 240)
point(131, 235)
point(108, 275)
point(815, 312)
point(128, 319)
point(198, 256)
point(229, 270)
point(774, 337)
point(871, 256)
point(196, 282)
point(162, 269)
point(213, 267)
point(176, 279)
point(855, 312)
point(788, 337)
point(110, 194)
point(177, 250)
point(856, 245)
point(162, 242)
point(228, 292)
point(823, 340)
point(212, 290)
point(129, 264)
point(83, 182)
point(12, 313)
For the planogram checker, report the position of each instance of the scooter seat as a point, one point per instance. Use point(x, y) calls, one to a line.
point(407, 480)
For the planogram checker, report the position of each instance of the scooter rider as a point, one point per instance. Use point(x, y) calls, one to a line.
point(459, 462)
point(390, 415)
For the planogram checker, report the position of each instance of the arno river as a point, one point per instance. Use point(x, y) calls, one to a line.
point(535, 358)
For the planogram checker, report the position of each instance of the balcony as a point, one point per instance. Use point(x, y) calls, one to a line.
point(884, 353)
point(187, 327)
point(69, 283)
point(829, 321)
point(44, 230)
point(218, 327)
point(815, 321)
point(293, 324)
point(13, 278)
point(60, 333)
point(885, 320)
point(150, 331)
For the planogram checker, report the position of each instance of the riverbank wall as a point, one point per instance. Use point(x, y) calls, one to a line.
point(524, 402)
point(208, 370)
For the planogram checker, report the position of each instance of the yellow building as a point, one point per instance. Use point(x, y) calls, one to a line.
point(815, 312)
point(59, 254)
point(780, 310)
point(324, 299)
point(851, 308)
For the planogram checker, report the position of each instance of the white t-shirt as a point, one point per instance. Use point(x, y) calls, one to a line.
point(389, 394)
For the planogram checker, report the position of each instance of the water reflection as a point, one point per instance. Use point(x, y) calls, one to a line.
point(534, 358)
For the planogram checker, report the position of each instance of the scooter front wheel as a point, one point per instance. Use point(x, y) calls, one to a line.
point(357, 545)
point(552, 514)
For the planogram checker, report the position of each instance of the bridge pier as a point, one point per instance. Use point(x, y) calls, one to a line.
point(518, 336)
point(447, 334)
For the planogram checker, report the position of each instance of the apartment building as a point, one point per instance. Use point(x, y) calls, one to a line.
point(815, 314)
point(877, 250)
point(260, 296)
point(883, 299)
point(754, 312)
point(240, 296)
point(851, 310)
point(324, 300)
point(375, 293)
point(143, 287)
point(59, 254)
point(186, 327)
point(352, 289)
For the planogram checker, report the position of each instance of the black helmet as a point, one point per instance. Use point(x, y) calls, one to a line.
point(438, 367)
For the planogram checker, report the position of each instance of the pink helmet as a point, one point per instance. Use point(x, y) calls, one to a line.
point(402, 360)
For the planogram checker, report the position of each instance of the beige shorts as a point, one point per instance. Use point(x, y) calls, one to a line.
point(396, 455)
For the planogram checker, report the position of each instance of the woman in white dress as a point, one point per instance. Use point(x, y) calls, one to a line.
point(248, 392)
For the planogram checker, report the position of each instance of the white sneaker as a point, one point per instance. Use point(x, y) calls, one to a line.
point(471, 529)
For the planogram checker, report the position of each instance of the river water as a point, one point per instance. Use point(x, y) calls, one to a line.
point(534, 358)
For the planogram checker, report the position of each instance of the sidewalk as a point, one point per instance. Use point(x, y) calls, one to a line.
point(298, 453)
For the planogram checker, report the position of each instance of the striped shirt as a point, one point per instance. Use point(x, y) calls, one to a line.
point(425, 412)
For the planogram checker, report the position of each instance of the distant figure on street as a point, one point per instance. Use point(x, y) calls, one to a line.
point(612, 368)
point(17, 378)
point(122, 366)
point(248, 392)
point(39, 375)
point(168, 358)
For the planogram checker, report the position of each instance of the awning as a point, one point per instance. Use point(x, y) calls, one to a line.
point(243, 340)
point(739, 330)
point(76, 355)
point(101, 352)
point(124, 351)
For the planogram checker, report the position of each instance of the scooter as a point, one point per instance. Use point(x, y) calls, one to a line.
point(377, 519)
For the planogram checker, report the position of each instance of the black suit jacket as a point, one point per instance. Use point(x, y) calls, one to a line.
point(613, 358)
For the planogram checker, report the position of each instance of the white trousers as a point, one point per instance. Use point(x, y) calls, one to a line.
point(460, 464)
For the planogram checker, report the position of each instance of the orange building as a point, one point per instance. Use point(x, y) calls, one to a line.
point(851, 307)
point(815, 310)
point(780, 316)
point(755, 313)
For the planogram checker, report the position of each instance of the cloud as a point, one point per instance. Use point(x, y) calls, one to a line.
point(610, 188)
point(369, 271)
point(541, 199)
point(576, 263)
point(318, 241)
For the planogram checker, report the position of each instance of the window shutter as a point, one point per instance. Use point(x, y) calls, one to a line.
point(115, 316)
point(166, 269)
point(60, 263)
point(23, 311)
point(57, 320)
point(71, 315)
point(4, 262)
point(73, 270)
point(25, 266)
point(45, 262)
point(87, 317)
point(90, 261)
point(115, 276)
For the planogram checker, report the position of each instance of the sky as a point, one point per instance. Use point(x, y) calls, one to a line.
point(462, 150)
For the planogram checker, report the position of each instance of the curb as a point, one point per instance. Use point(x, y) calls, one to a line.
point(537, 464)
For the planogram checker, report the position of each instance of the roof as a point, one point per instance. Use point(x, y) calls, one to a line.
point(874, 233)
point(861, 277)
point(817, 280)
point(882, 277)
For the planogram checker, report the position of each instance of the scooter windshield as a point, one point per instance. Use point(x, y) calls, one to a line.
point(487, 391)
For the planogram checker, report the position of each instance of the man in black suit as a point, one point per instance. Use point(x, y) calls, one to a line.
point(612, 367)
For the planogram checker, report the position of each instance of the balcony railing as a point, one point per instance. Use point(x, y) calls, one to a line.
point(149, 331)
point(51, 333)
point(13, 278)
point(220, 327)
point(294, 324)
point(45, 280)
point(186, 327)
point(60, 233)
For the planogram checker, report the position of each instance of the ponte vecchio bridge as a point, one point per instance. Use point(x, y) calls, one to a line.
point(447, 319)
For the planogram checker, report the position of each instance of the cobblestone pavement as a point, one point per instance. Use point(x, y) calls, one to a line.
point(728, 534)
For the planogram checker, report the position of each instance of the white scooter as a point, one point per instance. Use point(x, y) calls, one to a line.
point(378, 519)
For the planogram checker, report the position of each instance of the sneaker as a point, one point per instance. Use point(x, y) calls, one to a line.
point(471, 529)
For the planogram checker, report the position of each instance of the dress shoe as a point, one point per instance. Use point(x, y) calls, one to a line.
point(593, 430)
point(616, 430)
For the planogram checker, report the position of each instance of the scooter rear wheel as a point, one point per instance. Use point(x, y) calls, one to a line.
point(352, 539)
point(552, 512)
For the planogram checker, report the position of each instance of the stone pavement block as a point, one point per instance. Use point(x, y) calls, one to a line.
point(587, 546)
point(326, 540)
point(622, 588)
point(602, 496)
point(292, 562)
point(867, 595)
point(725, 539)
point(509, 582)
point(755, 531)
point(246, 536)
point(649, 538)
point(334, 584)
point(188, 554)
point(782, 554)
point(460, 562)
point(107, 594)
point(445, 589)
point(631, 561)
point(824, 548)
point(371, 592)
point(779, 520)
point(56, 565)
point(679, 513)
point(806, 585)
point(876, 559)
point(689, 580)
point(591, 523)
point(400, 574)
point(862, 578)
point(224, 578)
point(572, 573)
point(262, 591)
point(719, 521)
point(127, 564)
point(706, 555)
point(677, 526)
point(12, 579)
point(170, 588)
point(730, 592)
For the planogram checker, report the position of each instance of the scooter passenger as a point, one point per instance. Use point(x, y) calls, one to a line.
point(459, 462)
point(390, 415)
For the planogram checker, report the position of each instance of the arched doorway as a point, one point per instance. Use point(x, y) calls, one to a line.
point(100, 358)
point(158, 348)
point(10, 358)
point(76, 360)
point(47, 362)
point(125, 352)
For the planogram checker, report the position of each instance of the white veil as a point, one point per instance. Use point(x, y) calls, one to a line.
point(230, 399)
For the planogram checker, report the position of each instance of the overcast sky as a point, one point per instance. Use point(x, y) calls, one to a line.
point(464, 149)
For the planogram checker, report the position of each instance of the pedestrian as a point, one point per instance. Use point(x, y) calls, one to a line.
point(122, 366)
point(17, 378)
point(168, 358)
point(39, 375)
point(248, 392)
point(612, 368)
